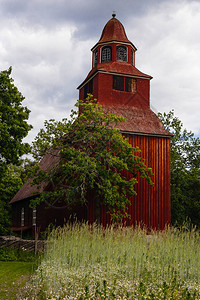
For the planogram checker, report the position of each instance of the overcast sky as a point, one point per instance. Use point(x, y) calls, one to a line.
point(48, 42)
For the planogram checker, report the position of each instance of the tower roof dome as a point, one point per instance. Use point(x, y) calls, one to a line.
point(113, 31)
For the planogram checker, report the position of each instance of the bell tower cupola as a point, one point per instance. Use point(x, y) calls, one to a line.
point(114, 79)
point(113, 45)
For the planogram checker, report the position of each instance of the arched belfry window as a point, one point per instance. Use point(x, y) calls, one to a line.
point(95, 58)
point(121, 53)
point(106, 54)
point(132, 57)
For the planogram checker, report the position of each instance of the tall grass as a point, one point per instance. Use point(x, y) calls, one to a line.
point(88, 262)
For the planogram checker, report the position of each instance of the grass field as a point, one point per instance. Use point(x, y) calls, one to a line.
point(13, 275)
point(83, 262)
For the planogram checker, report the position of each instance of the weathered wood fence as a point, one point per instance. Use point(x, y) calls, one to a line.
point(15, 242)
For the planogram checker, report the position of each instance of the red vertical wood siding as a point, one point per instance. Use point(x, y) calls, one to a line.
point(151, 206)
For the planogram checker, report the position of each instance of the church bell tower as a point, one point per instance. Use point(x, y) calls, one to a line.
point(122, 89)
point(114, 79)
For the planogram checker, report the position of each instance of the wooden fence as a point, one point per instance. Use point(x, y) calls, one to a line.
point(15, 242)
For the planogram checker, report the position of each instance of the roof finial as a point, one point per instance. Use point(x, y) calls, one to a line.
point(114, 14)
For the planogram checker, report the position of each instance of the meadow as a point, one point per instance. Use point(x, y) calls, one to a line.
point(89, 262)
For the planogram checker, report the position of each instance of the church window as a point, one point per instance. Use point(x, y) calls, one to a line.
point(132, 57)
point(95, 58)
point(130, 85)
point(34, 217)
point(126, 84)
point(121, 53)
point(88, 88)
point(22, 216)
point(106, 54)
point(118, 83)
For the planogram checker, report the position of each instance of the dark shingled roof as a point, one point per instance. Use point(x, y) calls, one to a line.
point(28, 190)
point(139, 120)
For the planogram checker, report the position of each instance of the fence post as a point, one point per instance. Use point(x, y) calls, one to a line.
point(36, 239)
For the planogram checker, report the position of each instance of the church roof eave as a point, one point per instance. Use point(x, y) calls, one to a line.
point(115, 68)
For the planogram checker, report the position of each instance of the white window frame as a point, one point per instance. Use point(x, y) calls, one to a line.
point(34, 219)
point(22, 217)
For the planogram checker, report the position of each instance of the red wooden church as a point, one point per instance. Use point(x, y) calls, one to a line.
point(122, 89)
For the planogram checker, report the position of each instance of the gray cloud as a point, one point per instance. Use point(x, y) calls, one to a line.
point(48, 44)
point(168, 48)
point(89, 16)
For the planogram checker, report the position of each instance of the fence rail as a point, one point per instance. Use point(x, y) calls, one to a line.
point(14, 242)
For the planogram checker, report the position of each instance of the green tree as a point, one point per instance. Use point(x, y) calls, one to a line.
point(89, 153)
point(13, 125)
point(11, 179)
point(13, 128)
point(185, 171)
point(10, 183)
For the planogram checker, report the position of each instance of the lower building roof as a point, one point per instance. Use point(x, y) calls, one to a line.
point(139, 120)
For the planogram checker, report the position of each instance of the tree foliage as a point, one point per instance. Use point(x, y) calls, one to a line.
point(13, 128)
point(185, 171)
point(13, 125)
point(12, 178)
point(92, 155)
point(10, 183)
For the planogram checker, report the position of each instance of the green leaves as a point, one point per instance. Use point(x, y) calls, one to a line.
point(92, 156)
point(10, 183)
point(13, 128)
point(13, 117)
point(185, 171)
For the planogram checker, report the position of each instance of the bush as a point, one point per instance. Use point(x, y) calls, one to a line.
point(13, 254)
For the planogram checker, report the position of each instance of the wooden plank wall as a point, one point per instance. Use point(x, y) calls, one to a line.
point(151, 206)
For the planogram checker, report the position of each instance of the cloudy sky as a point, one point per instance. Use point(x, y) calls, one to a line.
point(48, 42)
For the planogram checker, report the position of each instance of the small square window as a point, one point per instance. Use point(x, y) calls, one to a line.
point(118, 83)
point(130, 85)
point(88, 88)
